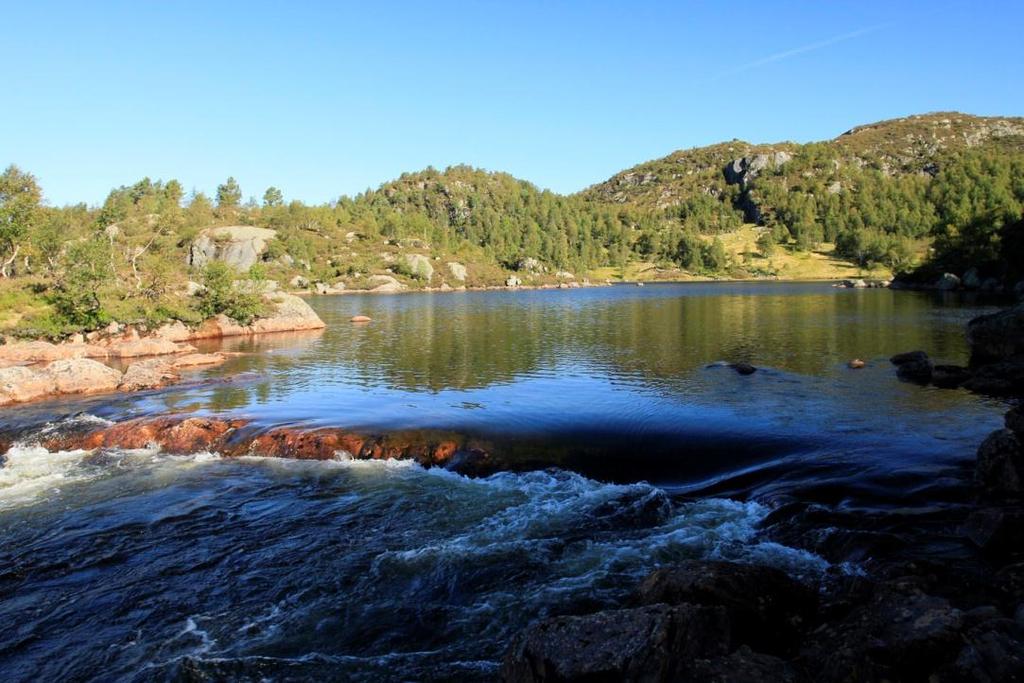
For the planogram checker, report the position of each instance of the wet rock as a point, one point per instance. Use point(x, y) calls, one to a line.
point(235, 437)
point(999, 468)
point(997, 337)
point(998, 531)
point(1015, 421)
point(360, 319)
point(767, 609)
point(908, 357)
point(992, 652)
point(899, 635)
point(947, 282)
point(743, 666)
point(743, 368)
point(972, 279)
point(914, 366)
point(654, 643)
point(856, 364)
point(998, 379)
point(950, 376)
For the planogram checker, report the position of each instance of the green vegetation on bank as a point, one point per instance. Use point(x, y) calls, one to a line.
point(876, 197)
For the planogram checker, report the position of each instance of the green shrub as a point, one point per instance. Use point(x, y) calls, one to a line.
point(222, 296)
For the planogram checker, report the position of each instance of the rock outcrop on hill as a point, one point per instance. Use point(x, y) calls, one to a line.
point(239, 246)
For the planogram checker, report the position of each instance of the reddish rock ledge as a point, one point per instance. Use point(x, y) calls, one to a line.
point(233, 437)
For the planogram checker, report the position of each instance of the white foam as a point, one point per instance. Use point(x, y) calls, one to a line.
point(30, 472)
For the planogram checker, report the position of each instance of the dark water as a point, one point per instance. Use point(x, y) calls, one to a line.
point(139, 566)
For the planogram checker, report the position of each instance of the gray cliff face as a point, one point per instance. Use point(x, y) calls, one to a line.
point(239, 246)
point(743, 170)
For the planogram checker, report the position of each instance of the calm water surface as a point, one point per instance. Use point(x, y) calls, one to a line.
point(135, 565)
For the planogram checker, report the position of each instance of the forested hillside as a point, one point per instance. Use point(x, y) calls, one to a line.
point(935, 192)
point(876, 191)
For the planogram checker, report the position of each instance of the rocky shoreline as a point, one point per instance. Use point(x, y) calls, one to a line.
point(36, 370)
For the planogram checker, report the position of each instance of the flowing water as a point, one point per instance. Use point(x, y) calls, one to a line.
point(636, 449)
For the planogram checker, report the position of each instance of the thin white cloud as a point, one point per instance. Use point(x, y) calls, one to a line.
point(786, 54)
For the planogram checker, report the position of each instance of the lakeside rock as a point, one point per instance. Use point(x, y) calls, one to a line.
point(23, 384)
point(914, 366)
point(65, 376)
point(997, 336)
point(289, 314)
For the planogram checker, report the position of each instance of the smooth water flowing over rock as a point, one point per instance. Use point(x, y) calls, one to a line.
point(625, 444)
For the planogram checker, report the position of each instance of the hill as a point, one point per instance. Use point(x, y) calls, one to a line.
point(935, 192)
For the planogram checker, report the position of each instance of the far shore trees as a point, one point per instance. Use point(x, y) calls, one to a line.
point(20, 211)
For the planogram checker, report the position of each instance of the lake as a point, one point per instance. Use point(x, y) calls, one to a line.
point(634, 446)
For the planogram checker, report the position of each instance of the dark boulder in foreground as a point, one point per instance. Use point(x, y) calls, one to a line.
point(1015, 420)
point(912, 622)
point(997, 531)
point(654, 643)
point(767, 609)
point(1000, 466)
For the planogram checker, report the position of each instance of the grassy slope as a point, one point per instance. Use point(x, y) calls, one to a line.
point(741, 246)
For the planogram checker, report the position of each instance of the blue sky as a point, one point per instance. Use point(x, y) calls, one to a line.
point(324, 99)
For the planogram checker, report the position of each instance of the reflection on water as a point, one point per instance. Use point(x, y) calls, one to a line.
point(617, 369)
point(141, 566)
